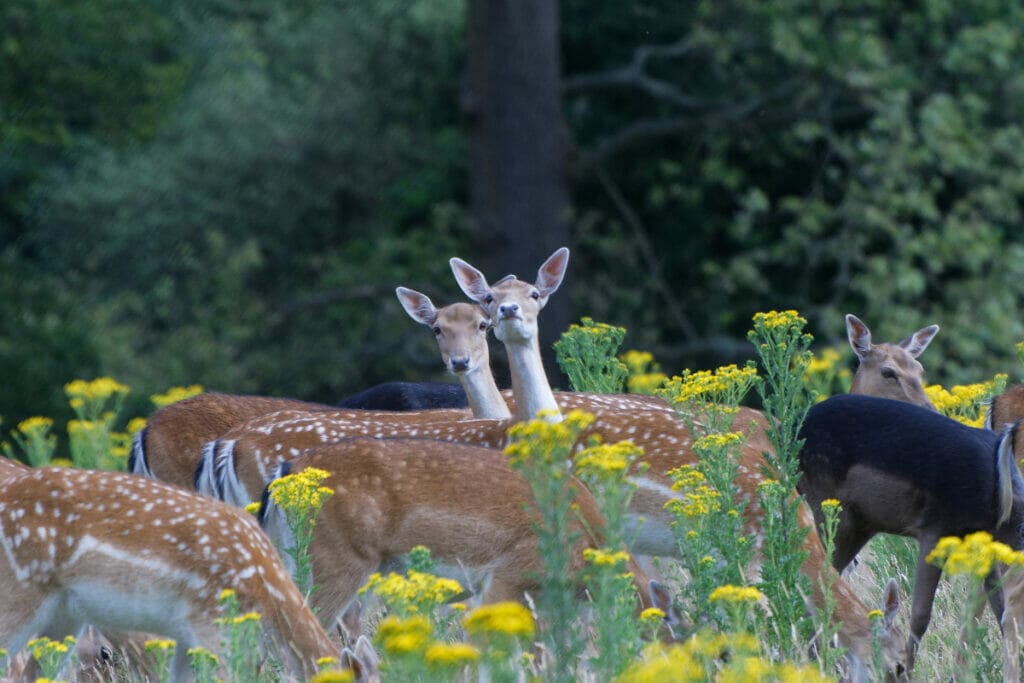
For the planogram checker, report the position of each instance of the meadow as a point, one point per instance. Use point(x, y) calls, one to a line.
point(729, 624)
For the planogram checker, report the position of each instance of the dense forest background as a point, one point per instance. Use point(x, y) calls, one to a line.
point(227, 192)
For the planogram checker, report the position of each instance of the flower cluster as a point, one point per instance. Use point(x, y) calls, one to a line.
point(586, 353)
point(600, 557)
point(698, 499)
point(547, 440)
point(972, 555)
point(97, 391)
point(402, 636)
point(301, 491)
point(735, 594)
point(719, 657)
point(775, 320)
point(645, 375)
point(727, 385)
point(605, 461)
point(966, 403)
point(415, 593)
point(175, 394)
point(501, 618)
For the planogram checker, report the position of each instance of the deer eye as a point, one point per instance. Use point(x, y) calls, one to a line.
point(535, 295)
point(485, 325)
point(437, 330)
point(888, 373)
point(489, 299)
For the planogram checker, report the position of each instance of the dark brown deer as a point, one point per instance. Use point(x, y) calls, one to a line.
point(889, 370)
point(901, 469)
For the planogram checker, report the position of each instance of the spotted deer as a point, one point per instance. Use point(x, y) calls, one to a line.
point(123, 552)
point(391, 495)
point(889, 370)
point(914, 473)
point(248, 456)
point(461, 333)
point(514, 307)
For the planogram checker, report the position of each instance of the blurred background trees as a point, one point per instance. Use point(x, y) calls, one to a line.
point(226, 192)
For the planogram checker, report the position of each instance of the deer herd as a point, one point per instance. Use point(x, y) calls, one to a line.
point(151, 550)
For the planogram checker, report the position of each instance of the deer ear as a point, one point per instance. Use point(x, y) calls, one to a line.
point(471, 281)
point(662, 598)
point(918, 342)
point(551, 272)
point(859, 336)
point(419, 306)
point(890, 602)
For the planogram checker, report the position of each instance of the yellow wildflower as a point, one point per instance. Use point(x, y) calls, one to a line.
point(415, 592)
point(778, 319)
point(35, 425)
point(830, 504)
point(158, 644)
point(403, 636)
point(600, 557)
point(334, 676)
point(735, 594)
point(508, 618)
point(301, 491)
point(972, 555)
point(607, 461)
point(175, 394)
point(450, 655)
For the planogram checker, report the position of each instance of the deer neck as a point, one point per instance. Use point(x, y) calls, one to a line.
point(484, 398)
point(529, 383)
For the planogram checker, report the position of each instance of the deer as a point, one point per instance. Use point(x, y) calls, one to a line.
point(247, 457)
point(461, 333)
point(391, 495)
point(889, 370)
point(123, 552)
point(913, 473)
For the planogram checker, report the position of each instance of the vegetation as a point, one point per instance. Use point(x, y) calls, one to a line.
point(739, 627)
point(228, 192)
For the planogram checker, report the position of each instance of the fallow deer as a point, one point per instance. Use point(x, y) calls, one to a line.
point(461, 333)
point(901, 469)
point(514, 305)
point(247, 457)
point(123, 552)
point(889, 370)
point(391, 495)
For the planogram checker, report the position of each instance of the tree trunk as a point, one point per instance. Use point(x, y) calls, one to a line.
point(518, 147)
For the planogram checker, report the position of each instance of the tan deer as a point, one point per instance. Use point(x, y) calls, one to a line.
point(461, 333)
point(247, 457)
point(391, 495)
point(889, 370)
point(124, 552)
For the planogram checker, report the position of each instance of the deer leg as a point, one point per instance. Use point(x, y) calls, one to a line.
point(1012, 622)
point(926, 580)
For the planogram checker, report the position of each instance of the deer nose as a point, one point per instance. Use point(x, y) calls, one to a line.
point(460, 364)
point(508, 310)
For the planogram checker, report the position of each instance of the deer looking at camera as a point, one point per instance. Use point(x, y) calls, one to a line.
point(124, 552)
point(461, 333)
point(391, 495)
point(889, 370)
point(914, 473)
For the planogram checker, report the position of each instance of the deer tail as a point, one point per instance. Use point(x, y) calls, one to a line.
point(204, 480)
point(137, 461)
point(1007, 472)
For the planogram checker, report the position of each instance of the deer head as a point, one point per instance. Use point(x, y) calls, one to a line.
point(889, 370)
point(461, 334)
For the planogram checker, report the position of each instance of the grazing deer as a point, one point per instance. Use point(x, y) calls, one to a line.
point(461, 333)
point(391, 495)
point(124, 552)
point(246, 458)
point(889, 370)
point(901, 469)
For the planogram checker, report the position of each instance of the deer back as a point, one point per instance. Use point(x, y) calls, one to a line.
point(392, 495)
point(905, 469)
